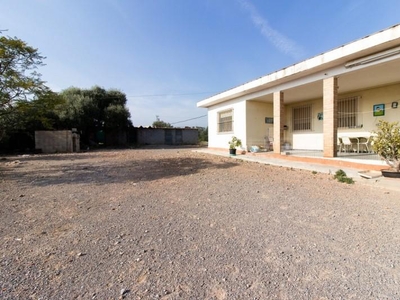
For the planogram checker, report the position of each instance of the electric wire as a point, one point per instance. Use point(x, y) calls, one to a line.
point(165, 95)
point(189, 119)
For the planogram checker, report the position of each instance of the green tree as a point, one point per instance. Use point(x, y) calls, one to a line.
point(158, 123)
point(39, 113)
point(116, 116)
point(386, 143)
point(94, 110)
point(19, 79)
point(26, 117)
point(203, 134)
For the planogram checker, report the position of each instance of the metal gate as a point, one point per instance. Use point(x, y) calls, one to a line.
point(168, 137)
point(178, 137)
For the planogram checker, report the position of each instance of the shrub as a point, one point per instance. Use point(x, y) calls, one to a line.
point(341, 176)
point(386, 143)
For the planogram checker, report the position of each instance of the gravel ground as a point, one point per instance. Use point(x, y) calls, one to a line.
point(175, 224)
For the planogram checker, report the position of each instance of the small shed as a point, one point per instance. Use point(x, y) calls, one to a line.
point(167, 136)
point(57, 141)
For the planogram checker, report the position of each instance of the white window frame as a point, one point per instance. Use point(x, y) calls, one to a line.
point(225, 126)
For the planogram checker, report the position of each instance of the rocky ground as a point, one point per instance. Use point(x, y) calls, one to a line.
point(175, 224)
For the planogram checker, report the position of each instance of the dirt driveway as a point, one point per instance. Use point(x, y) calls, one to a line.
point(174, 224)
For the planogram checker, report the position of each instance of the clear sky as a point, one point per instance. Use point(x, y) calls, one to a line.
point(166, 55)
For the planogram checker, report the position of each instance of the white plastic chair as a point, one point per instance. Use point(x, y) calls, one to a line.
point(339, 144)
point(347, 144)
point(366, 143)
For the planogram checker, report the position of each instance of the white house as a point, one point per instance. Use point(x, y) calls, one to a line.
point(309, 105)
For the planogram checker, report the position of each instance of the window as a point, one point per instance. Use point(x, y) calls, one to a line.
point(302, 118)
point(225, 121)
point(347, 112)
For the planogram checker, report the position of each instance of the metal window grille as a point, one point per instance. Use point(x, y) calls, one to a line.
point(302, 118)
point(225, 121)
point(347, 112)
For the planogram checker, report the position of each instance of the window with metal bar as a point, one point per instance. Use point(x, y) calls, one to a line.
point(225, 121)
point(347, 112)
point(302, 118)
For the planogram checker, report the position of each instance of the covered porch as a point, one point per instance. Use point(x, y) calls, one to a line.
point(332, 113)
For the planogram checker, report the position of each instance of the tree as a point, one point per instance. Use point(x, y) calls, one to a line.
point(19, 79)
point(94, 110)
point(386, 143)
point(18, 127)
point(161, 124)
point(116, 116)
point(203, 134)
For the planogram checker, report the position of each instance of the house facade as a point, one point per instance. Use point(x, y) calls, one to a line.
point(310, 105)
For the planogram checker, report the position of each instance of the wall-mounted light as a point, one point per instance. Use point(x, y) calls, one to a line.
point(395, 104)
point(372, 58)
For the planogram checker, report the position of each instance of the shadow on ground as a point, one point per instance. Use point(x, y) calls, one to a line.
point(54, 170)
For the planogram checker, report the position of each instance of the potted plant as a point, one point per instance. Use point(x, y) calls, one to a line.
point(386, 144)
point(233, 144)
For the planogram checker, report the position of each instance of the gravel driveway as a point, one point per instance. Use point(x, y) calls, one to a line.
point(175, 224)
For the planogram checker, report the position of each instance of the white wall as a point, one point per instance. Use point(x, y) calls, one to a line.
point(256, 112)
point(220, 140)
point(305, 140)
point(308, 141)
point(368, 98)
point(314, 139)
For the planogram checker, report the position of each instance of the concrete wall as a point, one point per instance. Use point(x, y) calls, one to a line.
point(190, 136)
point(59, 141)
point(167, 136)
point(116, 138)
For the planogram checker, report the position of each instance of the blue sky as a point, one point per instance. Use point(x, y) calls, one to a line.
point(166, 55)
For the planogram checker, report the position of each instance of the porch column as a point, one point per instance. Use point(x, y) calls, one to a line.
point(279, 119)
point(330, 95)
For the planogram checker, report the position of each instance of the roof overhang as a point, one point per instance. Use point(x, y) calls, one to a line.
point(379, 52)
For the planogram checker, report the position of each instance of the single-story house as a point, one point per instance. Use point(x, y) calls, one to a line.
point(310, 105)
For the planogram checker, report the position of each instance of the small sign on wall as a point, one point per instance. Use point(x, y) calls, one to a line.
point(269, 120)
point(379, 110)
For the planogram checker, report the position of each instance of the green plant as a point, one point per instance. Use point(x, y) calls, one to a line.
point(341, 176)
point(386, 143)
point(234, 143)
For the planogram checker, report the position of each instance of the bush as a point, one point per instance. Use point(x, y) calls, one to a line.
point(341, 176)
point(386, 143)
